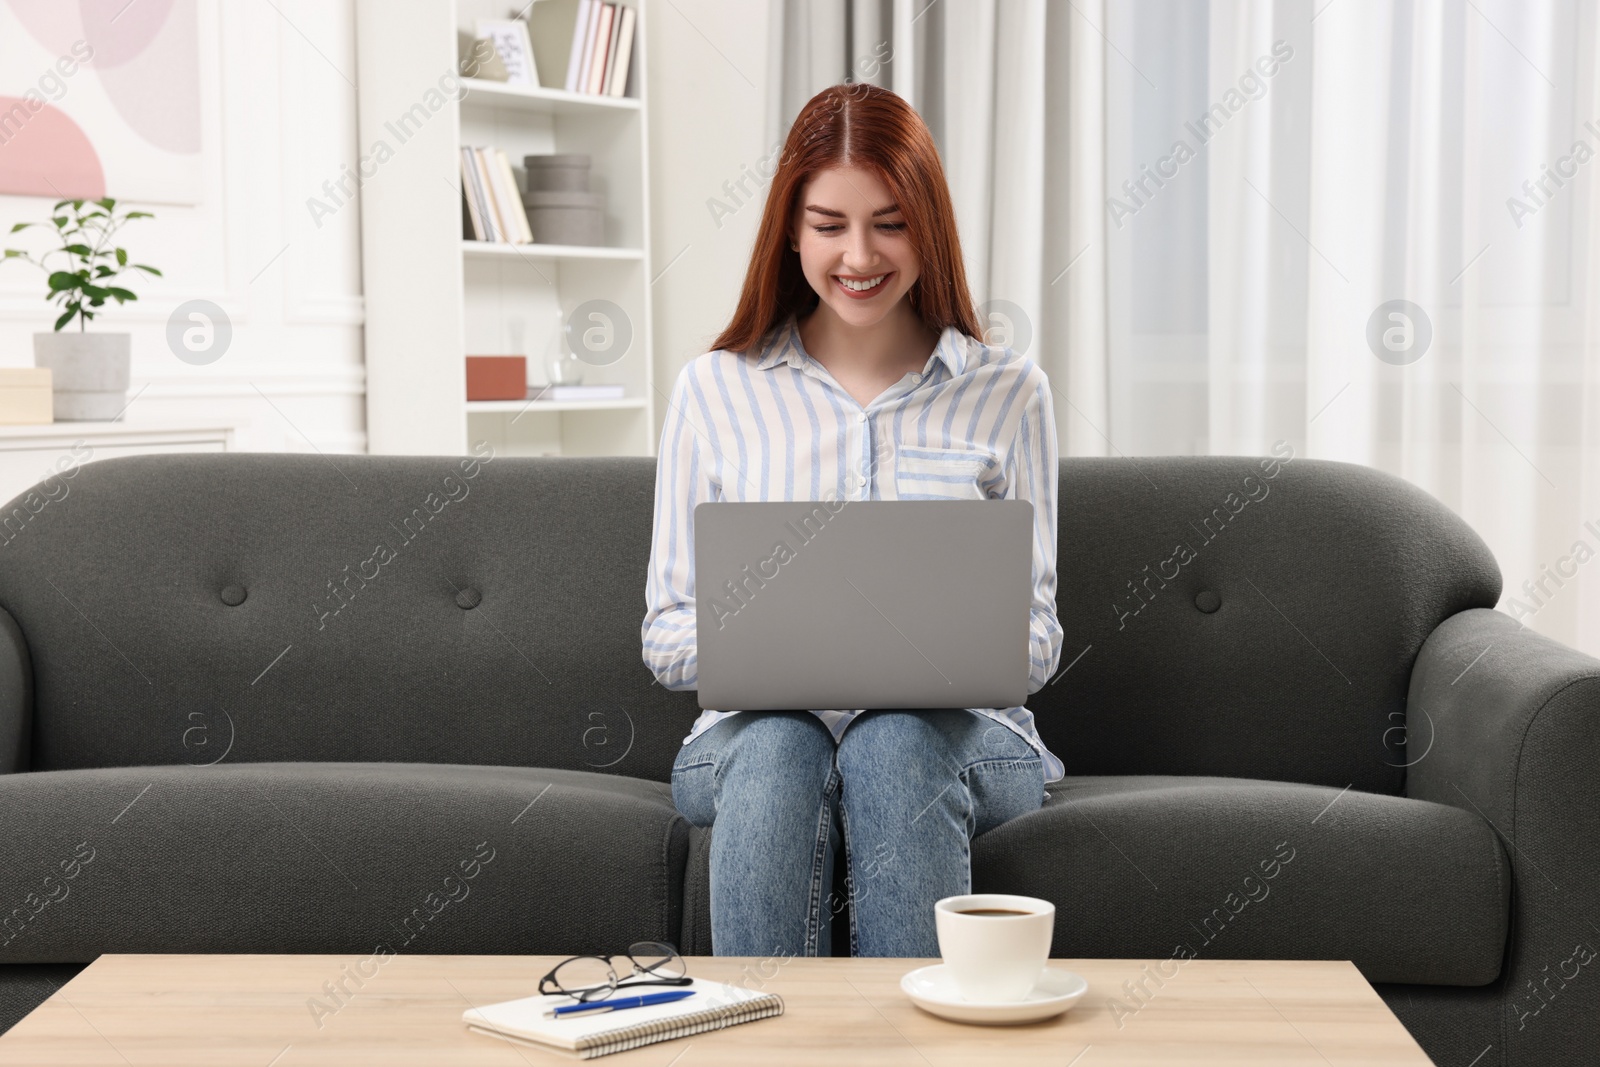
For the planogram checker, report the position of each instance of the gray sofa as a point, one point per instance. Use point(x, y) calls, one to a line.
point(296, 703)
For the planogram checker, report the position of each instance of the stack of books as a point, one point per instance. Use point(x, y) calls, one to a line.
point(597, 391)
point(596, 37)
point(493, 199)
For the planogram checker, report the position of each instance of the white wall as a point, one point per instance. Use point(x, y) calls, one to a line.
point(708, 103)
point(277, 120)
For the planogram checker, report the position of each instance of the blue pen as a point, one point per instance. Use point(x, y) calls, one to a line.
point(621, 1003)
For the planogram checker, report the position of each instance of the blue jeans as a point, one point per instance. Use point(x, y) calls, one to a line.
point(909, 789)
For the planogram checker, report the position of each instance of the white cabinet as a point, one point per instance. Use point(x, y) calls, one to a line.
point(28, 454)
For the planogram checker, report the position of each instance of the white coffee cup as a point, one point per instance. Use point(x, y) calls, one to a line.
point(994, 957)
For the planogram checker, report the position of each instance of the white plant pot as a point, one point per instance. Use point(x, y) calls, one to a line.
point(89, 373)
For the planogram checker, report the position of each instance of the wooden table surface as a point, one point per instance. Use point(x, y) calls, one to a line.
point(261, 1011)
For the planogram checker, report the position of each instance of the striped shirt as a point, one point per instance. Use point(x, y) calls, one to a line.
point(975, 423)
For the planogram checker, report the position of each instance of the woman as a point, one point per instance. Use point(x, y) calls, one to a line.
point(854, 338)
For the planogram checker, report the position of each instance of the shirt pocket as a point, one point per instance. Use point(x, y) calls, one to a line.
point(925, 473)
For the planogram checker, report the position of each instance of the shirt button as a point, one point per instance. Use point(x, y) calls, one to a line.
point(862, 417)
point(916, 377)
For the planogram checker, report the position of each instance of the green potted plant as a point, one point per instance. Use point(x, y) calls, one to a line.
point(89, 371)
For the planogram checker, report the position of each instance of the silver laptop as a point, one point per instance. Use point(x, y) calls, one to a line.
point(862, 604)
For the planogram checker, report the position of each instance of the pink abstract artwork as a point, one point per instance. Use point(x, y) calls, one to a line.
point(45, 153)
point(114, 108)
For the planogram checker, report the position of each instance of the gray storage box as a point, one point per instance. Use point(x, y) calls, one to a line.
point(557, 171)
point(560, 217)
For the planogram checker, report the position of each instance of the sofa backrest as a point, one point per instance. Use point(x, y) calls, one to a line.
point(1222, 615)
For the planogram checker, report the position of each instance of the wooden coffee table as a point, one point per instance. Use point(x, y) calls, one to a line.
point(259, 1011)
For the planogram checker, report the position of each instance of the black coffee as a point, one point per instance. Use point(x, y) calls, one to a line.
point(992, 911)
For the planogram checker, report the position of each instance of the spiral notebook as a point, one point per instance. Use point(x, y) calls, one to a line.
point(714, 1006)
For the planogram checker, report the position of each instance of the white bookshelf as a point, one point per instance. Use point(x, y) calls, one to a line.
point(433, 296)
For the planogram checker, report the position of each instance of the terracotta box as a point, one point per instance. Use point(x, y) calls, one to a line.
point(497, 377)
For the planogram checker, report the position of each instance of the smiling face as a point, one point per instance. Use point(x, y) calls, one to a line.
point(853, 245)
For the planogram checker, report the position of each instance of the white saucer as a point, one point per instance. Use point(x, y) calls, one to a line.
point(934, 990)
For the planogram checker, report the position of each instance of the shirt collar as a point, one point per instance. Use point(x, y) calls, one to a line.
point(783, 346)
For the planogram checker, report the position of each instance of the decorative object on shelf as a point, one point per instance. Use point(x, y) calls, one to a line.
point(478, 59)
point(89, 370)
point(558, 205)
point(497, 377)
point(25, 396)
point(511, 44)
point(564, 368)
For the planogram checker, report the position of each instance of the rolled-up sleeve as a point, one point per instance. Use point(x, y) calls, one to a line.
point(682, 481)
point(1033, 473)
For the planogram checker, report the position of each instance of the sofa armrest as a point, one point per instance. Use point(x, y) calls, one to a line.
point(16, 696)
point(1505, 722)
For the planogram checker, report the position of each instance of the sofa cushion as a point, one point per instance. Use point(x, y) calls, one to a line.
point(335, 858)
point(1159, 867)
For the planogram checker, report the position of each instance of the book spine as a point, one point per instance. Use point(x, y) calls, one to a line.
point(628, 1037)
point(470, 197)
point(575, 59)
point(478, 193)
point(481, 158)
point(519, 215)
point(481, 194)
point(619, 80)
point(611, 53)
point(597, 66)
point(470, 160)
point(588, 45)
point(508, 226)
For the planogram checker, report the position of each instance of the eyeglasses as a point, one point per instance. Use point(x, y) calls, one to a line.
point(587, 978)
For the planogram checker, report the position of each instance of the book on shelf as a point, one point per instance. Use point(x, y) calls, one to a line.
point(486, 172)
point(607, 54)
point(583, 46)
point(589, 24)
point(494, 200)
point(715, 1006)
point(602, 43)
point(619, 78)
point(472, 190)
point(597, 391)
point(508, 192)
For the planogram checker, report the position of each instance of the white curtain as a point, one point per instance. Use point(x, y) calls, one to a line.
point(1366, 227)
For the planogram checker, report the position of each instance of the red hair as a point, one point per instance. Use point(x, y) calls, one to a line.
point(861, 125)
